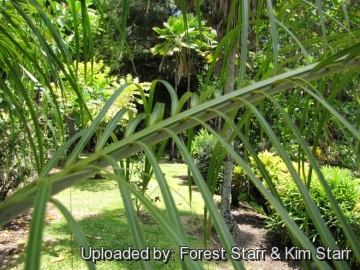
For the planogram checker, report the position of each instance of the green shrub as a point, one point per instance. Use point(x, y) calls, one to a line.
point(345, 188)
point(346, 191)
point(96, 88)
point(17, 161)
point(240, 185)
point(201, 150)
point(15, 157)
point(242, 189)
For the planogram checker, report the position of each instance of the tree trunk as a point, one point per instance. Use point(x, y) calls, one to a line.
point(226, 189)
point(172, 150)
point(218, 124)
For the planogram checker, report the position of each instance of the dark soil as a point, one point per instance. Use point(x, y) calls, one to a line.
point(13, 237)
point(253, 236)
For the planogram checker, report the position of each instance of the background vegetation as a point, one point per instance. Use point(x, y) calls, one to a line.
point(80, 76)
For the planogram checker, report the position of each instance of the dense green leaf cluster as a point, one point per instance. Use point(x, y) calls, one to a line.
point(342, 182)
point(202, 149)
point(97, 86)
point(346, 190)
point(15, 157)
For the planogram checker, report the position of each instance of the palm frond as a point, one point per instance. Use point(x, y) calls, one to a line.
point(33, 55)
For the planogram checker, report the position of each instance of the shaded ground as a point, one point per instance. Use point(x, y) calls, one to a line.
point(253, 237)
point(13, 237)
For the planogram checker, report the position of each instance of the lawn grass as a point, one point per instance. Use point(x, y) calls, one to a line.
point(97, 206)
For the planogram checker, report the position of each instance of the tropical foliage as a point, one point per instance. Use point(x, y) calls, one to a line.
point(202, 148)
point(343, 185)
point(345, 189)
point(96, 87)
point(181, 38)
point(277, 54)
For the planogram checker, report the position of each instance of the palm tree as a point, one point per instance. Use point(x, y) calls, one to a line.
point(337, 60)
point(182, 40)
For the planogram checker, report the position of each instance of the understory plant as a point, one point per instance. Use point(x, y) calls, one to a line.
point(97, 86)
point(136, 169)
point(15, 162)
point(201, 150)
point(347, 193)
point(342, 182)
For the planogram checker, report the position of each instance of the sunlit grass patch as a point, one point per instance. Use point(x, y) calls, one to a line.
point(97, 206)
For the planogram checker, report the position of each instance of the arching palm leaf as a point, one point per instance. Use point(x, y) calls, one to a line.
point(38, 193)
